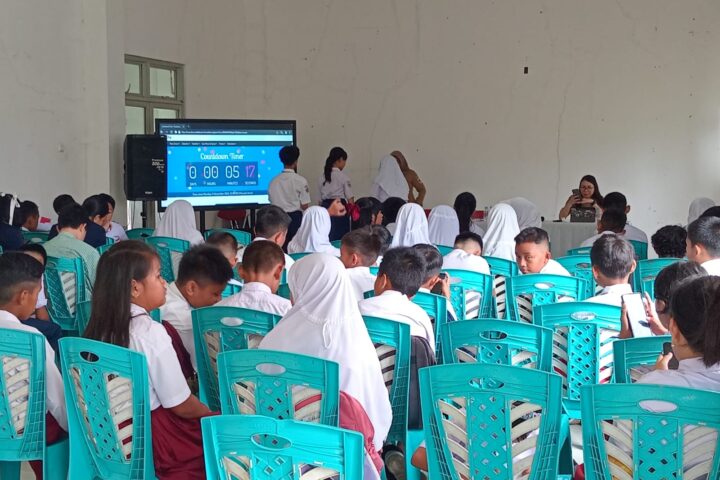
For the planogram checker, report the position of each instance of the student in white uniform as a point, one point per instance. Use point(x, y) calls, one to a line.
point(178, 221)
point(202, 276)
point(314, 233)
point(612, 222)
point(390, 181)
point(229, 247)
point(383, 234)
point(271, 223)
point(358, 252)
point(20, 282)
point(290, 191)
point(116, 231)
point(703, 243)
point(613, 261)
point(527, 212)
point(412, 226)
point(698, 207)
point(399, 278)
point(467, 254)
point(390, 210)
point(433, 283)
point(502, 228)
point(618, 201)
point(334, 182)
point(443, 225)
point(670, 241)
point(532, 252)
point(465, 205)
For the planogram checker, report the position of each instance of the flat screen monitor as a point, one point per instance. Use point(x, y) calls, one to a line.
point(218, 164)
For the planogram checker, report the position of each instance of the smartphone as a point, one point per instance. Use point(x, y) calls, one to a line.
point(636, 315)
point(437, 288)
point(576, 192)
point(674, 362)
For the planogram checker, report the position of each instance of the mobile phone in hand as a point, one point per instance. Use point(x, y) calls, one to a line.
point(674, 363)
point(576, 192)
point(637, 317)
point(437, 288)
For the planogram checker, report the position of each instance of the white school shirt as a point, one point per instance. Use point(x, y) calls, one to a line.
point(168, 387)
point(338, 187)
point(712, 267)
point(634, 233)
point(42, 299)
point(116, 232)
point(288, 259)
point(552, 267)
point(289, 191)
point(258, 296)
point(54, 391)
point(691, 373)
point(395, 306)
point(590, 241)
point(362, 280)
point(178, 312)
point(612, 295)
point(450, 308)
point(461, 260)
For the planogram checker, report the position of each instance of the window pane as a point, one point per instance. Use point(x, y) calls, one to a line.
point(162, 82)
point(132, 78)
point(164, 113)
point(134, 120)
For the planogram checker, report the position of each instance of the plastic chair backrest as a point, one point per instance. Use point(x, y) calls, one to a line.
point(217, 329)
point(583, 333)
point(35, 237)
point(374, 270)
point(634, 357)
point(242, 237)
point(436, 308)
point(299, 255)
point(284, 290)
point(83, 315)
point(647, 270)
point(641, 249)
point(501, 269)
point(490, 421)
point(650, 432)
point(540, 289)
point(580, 266)
point(336, 243)
point(104, 248)
point(64, 288)
point(574, 252)
point(472, 286)
point(139, 233)
point(231, 289)
point(170, 251)
point(501, 266)
point(497, 342)
point(279, 385)
point(254, 447)
point(108, 401)
point(393, 347)
point(444, 249)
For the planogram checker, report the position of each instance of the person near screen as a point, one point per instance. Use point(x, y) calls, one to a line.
point(334, 182)
point(412, 179)
point(289, 190)
point(586, 196)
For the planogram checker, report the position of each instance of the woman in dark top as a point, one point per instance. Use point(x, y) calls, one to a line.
point(588, 196)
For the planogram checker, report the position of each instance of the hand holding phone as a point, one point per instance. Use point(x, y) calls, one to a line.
point(673, 364)
point(636, 314)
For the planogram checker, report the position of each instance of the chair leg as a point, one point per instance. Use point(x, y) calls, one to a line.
point(565, 463)
point(57, 460)
point(10, 470)
point(414, 439)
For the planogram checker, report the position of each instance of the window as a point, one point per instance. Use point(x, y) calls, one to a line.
point(153, 89)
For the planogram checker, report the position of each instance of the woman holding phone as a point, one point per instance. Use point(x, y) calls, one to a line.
point(586, 196)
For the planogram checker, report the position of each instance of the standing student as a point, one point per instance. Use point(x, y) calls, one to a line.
point(325, 322)
point(612, 222)
point(412, 178)
point(703, 243)
point(369, 212)
point(98, 211)
point(670, 241)
point(359, 251)
point(334, 182)
point(618, 201)
point(313, 235)
point(115, 230)
point(412, 226)
point(532, 253)
point(613, 261)
point(390, 209)
point(290, 191)
point(467, 254)
point(502, 228)
point(129, 285)
point(390, 181)
point(443, 225)
point(465, 205)
point(178, 221)
point(272, 223)
point(11, 237)
point(698, 207)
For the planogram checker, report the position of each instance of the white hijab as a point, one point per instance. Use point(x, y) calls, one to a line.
point(698, 207)
point(411, 227)
point(502, 229)
point(179, 222)
point(527, 212)
point(314, 233)
point(390, 181)
point(325, 322)
point(443, 225)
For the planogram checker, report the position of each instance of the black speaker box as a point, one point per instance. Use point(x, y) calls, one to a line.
point(145, 167)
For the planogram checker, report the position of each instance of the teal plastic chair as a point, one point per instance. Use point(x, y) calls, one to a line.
point(501, 266)
point(256, 447)
point(139, 233)
point(501, 270)
point(680, 441)
point(436, 308)
point(284, 290)
point(83, 315)
point(643, 278)
point(497, 342)
point(35, 237)
point(641, 249)
point(242, 237)
point(540, 289)
point(104, 248)
point(217, 329)
point(22, 433)
point(573, 252)
point(298, 256)
point(471, 284)
point(580, 266)
point(633, 357)
point(444, 249)
point(280, 385)
point(374, 270)
point(336, 243)
point(231, 289)
point(65, 289)
point(170, 250)
point(490, 421)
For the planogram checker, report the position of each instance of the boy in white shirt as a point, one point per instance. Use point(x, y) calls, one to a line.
point(611, 222)
point(617, 201)
point(358, 252)
point(229, 247)
point(290, 191)
point(613, 261)
point(271, 223)
point(467, 254)
point(261, 270)
point(532, 253)
point(433, 281)
point(203, 274)
point(703, 243)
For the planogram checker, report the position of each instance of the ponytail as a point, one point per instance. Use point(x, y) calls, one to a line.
point(367, 208)
point(464, 206)
point(336, 153)
point(695, 308)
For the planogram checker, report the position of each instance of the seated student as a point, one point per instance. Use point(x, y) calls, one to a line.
point(432, 283)
point(179, 222)
point(611, 222)
point(261, 270)
point(59, 204)
point(697, 207)
point(325, 322)
point(532, 249)
point(465, 205)
point(40, 319)
point(669, 241)
point(289, 191)
point(467, 254)
point(502, 227)
point(115, 230)
point(411, 227)
point(129, 285)
point(229, 247)
point(613, 261)
point(390, 209)
point(443, 225)
point(383, 234)
point(711, 212)
point(369, 212)
point(29, 216)
point(203, 274)
point(98, 210)
point(11, 237)
point(339, 217)
point(703, 243)
point(358, 252)
point(313, 235)
point(272, 223)
point(69, 243)
point(618, 201)
point(20, 282)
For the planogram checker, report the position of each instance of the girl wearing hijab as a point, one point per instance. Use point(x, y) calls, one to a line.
point(502, 229)
point(527, 212)
point(411, 228)
point(698, 207)
point(443, 225)
point(325, 322)
point(179, 222)
point(390, 181)
point(314, 233)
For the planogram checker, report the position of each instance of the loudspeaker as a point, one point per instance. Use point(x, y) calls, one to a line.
point(145, 167)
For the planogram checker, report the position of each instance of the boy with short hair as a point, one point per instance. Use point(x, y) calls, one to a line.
point(29, 216)
point(703, 243)
point(618, 202)
point(261, 270)
point(358, 252)
point(290, 191)
point(399, 277)
point(669, 241)
point(272, 223)
point(613, 261)
point(532, 253)
point(467, 254)
point(432, 280)
point(229, 247)
point(611, 222)
point(202, 276)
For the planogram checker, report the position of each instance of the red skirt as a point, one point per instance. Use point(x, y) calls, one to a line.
point(53, 433)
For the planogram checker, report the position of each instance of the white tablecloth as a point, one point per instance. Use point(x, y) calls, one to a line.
point(566, 235)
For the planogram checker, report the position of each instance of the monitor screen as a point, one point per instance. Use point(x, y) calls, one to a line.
point(216, 164)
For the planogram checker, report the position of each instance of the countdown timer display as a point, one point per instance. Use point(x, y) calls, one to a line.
point(221, 174)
